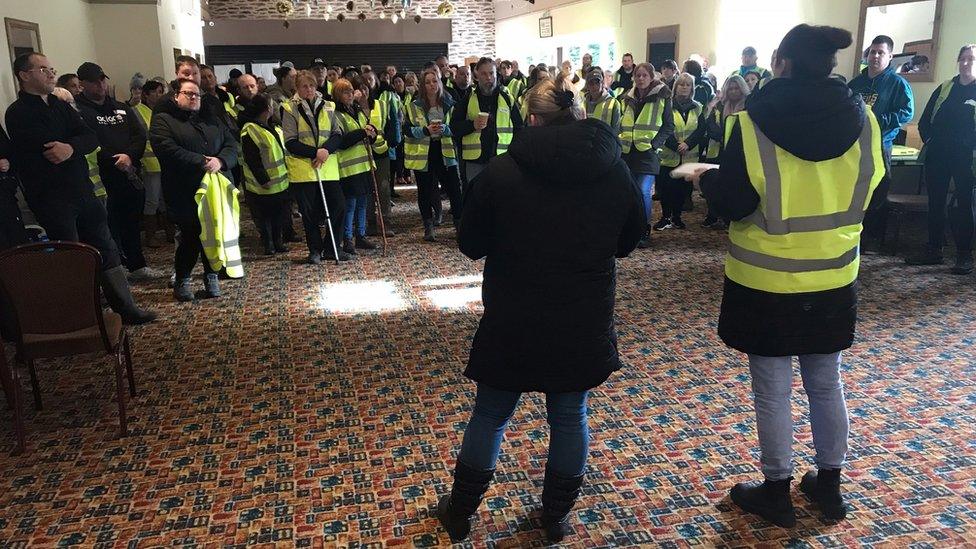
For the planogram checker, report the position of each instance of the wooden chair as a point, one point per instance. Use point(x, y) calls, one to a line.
point(53, 292)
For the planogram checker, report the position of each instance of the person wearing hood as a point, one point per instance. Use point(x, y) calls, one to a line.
point(189, 145)
point(721, 108)
point(429, 151)
point(122, 142)
point(265, 171)
point(354, 163)
point(646, 125)
point(549, 217)
point(796, 192)
point(599, 103)
point(948, 129)
point(890, 97)
point(689, 131)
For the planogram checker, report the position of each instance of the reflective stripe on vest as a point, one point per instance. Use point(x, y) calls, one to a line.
point(355, 159)
point(378, 117)
point(229, 106)
point(804, 236)
point(93, 175)
point(416, 150)
point(641, 133)
point(944, 92)
point(682, 131)
point(219, 211)
point(149, 161)
point(272, 157)
point(515, 87)
point(471, 143)
point(604, 110)
point(300, 169)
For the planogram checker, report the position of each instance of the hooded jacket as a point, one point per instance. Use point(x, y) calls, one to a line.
point(119, 131)
point(181, 139)
point(890, 98)
point(649, 162)
point(815, 121)
point(550, 217)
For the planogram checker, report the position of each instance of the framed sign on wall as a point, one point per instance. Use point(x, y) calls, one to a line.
point(545, 27)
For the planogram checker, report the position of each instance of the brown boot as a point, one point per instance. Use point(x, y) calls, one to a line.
point(168, 228)
point(149, 225)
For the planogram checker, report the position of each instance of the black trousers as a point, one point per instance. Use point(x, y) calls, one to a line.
point(189, 250)
point(876, 216)
point(309, 199)
point(672, 193)
point(940, 168)
point(78, 219)
point(125, 204)
point(266, 211)
point(428, 195)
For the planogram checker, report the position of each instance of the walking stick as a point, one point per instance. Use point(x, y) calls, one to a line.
point(376, 192)
point(328, 218)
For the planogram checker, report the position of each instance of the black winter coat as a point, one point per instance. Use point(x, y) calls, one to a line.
point(550, 217)
point(814, 121)
point(181, 139)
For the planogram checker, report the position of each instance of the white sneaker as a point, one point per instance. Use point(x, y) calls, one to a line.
point(144, 273)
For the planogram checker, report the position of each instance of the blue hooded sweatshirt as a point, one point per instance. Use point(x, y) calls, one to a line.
point(891, 99)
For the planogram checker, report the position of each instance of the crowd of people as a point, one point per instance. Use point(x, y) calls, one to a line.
point(512, 153)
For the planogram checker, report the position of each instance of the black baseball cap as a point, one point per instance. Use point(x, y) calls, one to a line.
point(317, 62)
point(595, 74)
point(90, 72)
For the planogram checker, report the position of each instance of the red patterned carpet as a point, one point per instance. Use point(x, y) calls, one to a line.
point(323, 407)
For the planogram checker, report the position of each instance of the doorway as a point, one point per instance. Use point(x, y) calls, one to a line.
point(662, 44)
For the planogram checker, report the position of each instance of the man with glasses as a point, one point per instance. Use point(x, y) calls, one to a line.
point(49, 143)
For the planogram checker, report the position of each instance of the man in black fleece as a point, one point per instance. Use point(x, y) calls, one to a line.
point(123, 142)
point(50, 142)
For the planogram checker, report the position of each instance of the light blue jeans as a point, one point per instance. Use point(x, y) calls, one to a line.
point(569, 435)
point(772, 380)
point(355, 211)
point(645, 182)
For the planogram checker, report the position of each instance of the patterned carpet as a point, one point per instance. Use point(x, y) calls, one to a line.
point(323, 407)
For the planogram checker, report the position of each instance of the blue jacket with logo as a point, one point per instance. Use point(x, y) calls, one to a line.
point(891, 99)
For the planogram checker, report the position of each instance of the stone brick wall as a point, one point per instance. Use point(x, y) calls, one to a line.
point(472, 25)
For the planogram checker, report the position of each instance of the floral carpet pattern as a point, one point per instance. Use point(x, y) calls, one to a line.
point(322, 406)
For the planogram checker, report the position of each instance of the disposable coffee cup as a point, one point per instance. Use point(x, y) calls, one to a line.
point(483, 117)
point(436, 122)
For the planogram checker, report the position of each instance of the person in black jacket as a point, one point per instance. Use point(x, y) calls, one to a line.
point(815, 325)
point(189, 144)
point(49, 143)
point(549, 217)
point(123, 141)
point(948, 130)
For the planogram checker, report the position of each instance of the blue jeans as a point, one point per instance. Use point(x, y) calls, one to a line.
point(355, 209)
point(772, 380)
point(645, 182)
point(569, 437)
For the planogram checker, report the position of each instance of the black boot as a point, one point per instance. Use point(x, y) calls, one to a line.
point(267, 242)
point(429, 230)
point(116, 289)
point(769, 499)
point(559, 494)
point(456, 510)
point(823, 487)
point(645, 241)
point(363, 244)
point(278, 242)
point(348, 246)
point(182, 291)
point(211, 286)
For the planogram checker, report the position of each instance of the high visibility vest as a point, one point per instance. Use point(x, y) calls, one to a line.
point(219, 209)
point(93, 175)
point(715, 147)
point(682, 131)
point(515, 87)
point(272, 157)
point(416, 149)
point(604, 110)
point(230, 106)
point(805, 234)
point(641, 132)
point(300, 169)
point(471, 143)
point(944, 92)
point(355, 159)
point(149, 161)
point(378, 116)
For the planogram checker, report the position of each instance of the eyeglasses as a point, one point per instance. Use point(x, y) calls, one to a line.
point(45, 70)
point(190, 95)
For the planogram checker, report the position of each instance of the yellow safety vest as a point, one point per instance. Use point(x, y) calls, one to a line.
point(641, 132)
point(230, 105)
point(515, 87)
point(805, 234)
point(944, 92)
point(416, 149)
point(93, 175)
point(471, 143)
point(355, 159)
point(219, 210)
point(272, 156)
point(604, 110)
point(149, 161)
point(378, 117)
point(682, 131)
point(300, 169)
point(715, 147)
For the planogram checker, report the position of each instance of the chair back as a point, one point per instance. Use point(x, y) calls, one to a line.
point(52, 287)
